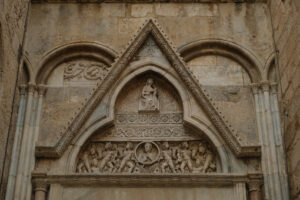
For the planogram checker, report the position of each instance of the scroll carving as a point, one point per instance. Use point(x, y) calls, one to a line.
point(85, 70)
point(147, 157)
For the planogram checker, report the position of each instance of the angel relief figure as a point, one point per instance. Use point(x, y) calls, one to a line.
point(149, 97)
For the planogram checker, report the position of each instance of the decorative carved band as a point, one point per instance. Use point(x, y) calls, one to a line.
point(85, 70)
point(145, 133)
point(168, 118)
point(147, 157)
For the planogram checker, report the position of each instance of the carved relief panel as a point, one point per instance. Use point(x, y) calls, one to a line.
point(148, 135)
point(84, 71)
point(149, 97)
point(147, 157)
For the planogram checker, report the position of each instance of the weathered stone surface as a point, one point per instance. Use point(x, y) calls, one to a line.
point(165, 104)
point(287, 34)
point(150, 193)
point(12, 27)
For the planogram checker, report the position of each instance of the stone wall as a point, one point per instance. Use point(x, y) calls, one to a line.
point(12, 27)
point(113, 24)
point(286, 26)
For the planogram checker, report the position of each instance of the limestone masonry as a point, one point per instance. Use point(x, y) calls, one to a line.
point(150, 99)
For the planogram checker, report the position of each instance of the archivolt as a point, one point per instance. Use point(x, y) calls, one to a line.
point(269, 66)
point(68, 51)
point(224, 48)
point(27, 68)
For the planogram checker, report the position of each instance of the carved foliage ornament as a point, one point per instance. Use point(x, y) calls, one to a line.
point(147, 157)
point(85, 70)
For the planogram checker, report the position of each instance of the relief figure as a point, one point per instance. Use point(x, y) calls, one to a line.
point(149, 97)
point(127, 158)
point(167, 158)
point(185, 157)
point(147, 154)
point(147, 157)
point(107, 161)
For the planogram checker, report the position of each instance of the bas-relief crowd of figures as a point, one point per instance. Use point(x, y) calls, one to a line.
point(147, 157)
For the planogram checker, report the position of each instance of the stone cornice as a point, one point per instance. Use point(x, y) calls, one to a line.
point(150, 27)
point(148, 1)
point(143, 180)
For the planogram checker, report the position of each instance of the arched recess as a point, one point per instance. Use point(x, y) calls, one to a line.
point(140, 69)
point(227, 49)
point(225, 70)
point(68, 52)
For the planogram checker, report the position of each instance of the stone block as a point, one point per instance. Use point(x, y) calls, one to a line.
point(170, 10)
point(113, 10)
point(141, 10)
point(205, 10)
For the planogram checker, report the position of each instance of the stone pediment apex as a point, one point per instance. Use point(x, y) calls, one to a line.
point(150, 27)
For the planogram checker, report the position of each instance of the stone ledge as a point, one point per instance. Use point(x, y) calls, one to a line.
point(148, 1)
point(144, 180)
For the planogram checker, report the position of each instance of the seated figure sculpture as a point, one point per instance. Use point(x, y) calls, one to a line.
point(149, 97)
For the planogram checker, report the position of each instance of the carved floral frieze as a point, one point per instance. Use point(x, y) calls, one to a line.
point(147, 157)
point(166, 118)
point(145, 132)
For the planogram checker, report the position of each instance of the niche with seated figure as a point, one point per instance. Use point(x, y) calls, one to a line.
point(148, 135)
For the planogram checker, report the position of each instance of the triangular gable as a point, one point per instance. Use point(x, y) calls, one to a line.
point(150, 27)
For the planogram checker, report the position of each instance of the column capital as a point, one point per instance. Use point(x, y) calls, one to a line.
point(254, 185)
point(22, 89)
point(31, 87)
point(265, 85)
point(274, 88)
point(255, 87)
point(40, 186)
point(41, 88)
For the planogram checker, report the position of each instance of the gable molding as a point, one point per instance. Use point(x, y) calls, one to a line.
point(76, 123)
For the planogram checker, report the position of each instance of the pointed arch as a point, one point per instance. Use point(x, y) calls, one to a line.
point(76, 124)
point(145, 67)
point(269, 69)
point(27, 71)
